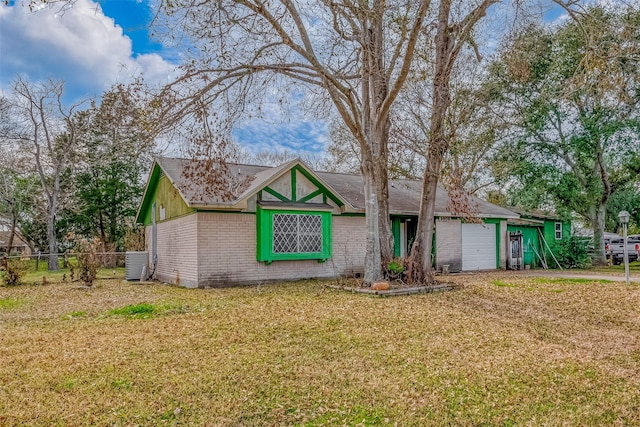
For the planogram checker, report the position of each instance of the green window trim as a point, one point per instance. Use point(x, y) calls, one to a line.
point(265, 235)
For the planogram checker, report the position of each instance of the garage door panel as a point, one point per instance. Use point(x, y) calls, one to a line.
point(448, 244)
point(478, 247)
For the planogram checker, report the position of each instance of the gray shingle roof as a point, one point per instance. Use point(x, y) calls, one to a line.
point(404, 195)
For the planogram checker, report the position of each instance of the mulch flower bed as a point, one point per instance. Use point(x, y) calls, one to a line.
point(396, 287)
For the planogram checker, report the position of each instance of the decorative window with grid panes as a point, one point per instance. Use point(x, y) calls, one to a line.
point(290, 235)
point(297, 233)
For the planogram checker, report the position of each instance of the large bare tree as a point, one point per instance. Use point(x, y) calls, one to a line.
point(355, 53)
point(44, 129)
point(454, 30)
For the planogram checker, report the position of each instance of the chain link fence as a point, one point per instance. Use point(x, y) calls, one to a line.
point(36, 266)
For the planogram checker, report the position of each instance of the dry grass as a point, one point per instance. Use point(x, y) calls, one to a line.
point(502, 350)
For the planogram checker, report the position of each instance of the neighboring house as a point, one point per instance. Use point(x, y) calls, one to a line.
point(289, 222)
point(539, 235)
point(19, 246)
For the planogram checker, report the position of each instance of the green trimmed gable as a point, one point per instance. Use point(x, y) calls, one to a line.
point(298, 186)
point(294, 218)
point(165, 196)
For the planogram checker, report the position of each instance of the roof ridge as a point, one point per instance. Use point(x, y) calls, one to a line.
point(229, 163)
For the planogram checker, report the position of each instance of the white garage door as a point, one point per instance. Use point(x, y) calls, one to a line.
point(478, 247)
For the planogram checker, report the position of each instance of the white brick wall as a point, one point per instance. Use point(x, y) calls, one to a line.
point(227, 252)
point(177, 251)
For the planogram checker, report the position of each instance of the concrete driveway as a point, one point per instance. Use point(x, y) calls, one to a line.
point(569, 275)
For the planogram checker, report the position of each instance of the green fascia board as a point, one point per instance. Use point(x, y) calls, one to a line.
point(264, 236)
point(143, 216)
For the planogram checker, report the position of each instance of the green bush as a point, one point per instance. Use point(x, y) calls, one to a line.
point(573, 253)
point(15, 272)
point(395, 268)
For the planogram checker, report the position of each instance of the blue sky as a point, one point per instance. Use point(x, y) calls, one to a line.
point(83, 46)
point(94, 45)
point(134, 17)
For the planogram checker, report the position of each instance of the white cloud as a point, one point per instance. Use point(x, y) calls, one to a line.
point(81, 46)
point(256, 135)
point(155, 69)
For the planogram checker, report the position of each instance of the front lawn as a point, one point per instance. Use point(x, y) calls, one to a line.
point(503, 349)
point(37, 272)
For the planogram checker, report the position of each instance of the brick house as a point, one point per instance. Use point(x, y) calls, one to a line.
point(290, 222)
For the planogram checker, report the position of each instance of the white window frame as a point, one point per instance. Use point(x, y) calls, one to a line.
point(558, 230)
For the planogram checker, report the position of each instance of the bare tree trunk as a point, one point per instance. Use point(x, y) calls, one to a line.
point(12, 233)
point(420, 269)
point(375, 153)
point(376, 186)
point(51, 143)
point(599, 214)
point(597, 223)
point(52, 264)
point(448, 43)
point(373, 256)
point(382, 176)
point(52, 237)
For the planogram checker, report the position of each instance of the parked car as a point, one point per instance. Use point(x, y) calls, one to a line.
point(607, 243)
point(615, 249)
